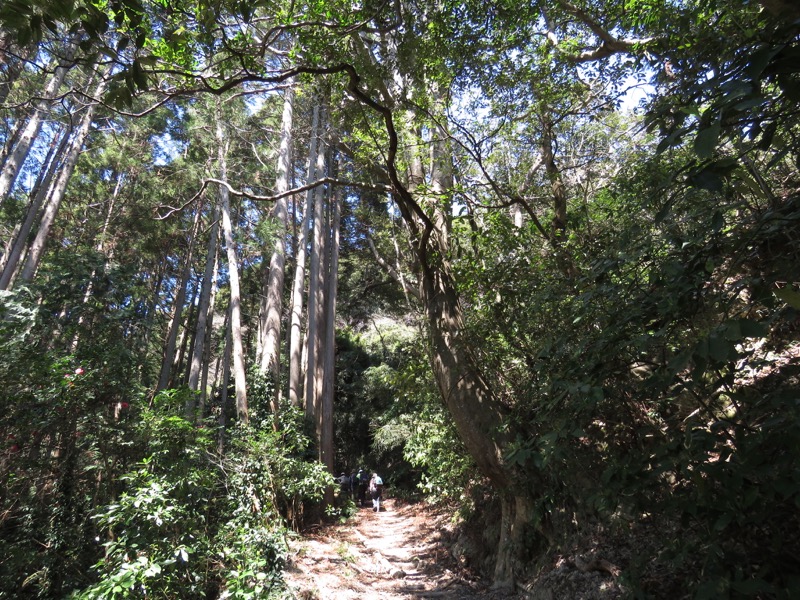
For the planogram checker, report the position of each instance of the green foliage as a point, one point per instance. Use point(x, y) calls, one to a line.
point(169, 515)
point(270, 481)
point(417, 427)
point(433, 447)
point(366, 363)
point(66, 424)
point(641, 374)
point(189, 521)
point(158, 536)
point(157, 529)
point(645, 356)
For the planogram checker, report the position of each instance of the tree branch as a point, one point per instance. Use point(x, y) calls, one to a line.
point(512, 198)
point(409, 208)
point(390, 270)
point(298, 190)
point(608, 43)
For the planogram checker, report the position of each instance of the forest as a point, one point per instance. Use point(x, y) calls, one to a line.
point(536, 261)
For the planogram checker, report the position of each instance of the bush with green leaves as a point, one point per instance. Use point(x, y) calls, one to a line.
point(657, 375)
point(191, 522)
point(66, 422)
point(156, 535)
point(270, 480)
point(414, 433)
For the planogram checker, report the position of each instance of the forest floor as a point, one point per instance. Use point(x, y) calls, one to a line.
point(397, 553)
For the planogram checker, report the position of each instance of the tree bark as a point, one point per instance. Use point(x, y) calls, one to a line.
point(15, 253)
point(224, 381)
point(313, 389)
point(30, 130)
point(239, 376)
point(58, 142)
point(207, 349)
point(329, 353)
point(296, 324)
point(206, 290)
point(557, 187)
point(270, 358)
point(59, 189)
point(480, 419)
point(179, 304)
point(186, 343)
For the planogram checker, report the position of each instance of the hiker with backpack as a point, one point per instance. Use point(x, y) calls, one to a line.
point(362, 484)
point(344, 485)
point(376, 491)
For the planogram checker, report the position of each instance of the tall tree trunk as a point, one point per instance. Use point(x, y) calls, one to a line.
point(59, 189)
point(313, 389)
point(239, 376)
point(296, 324)
point(479, 417)
point(31, 128)
point(442, 184)
point(204, 303)
point(8, 145)
point(179, 304)
point(40, 192)
point(292, 241)
point(329, 349)
point(557, 187)
point(181, 368)
point(224, 381)
point(208, 350)
point(270, 358)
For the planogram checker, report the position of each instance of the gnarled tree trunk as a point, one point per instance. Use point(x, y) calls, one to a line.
point(481, 420)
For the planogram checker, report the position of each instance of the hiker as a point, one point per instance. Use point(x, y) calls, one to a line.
point(353, 492)
point(344, 485)
point(363, 480)
point(376, 491)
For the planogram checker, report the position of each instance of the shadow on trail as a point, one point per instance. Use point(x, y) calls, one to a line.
point(394, 554)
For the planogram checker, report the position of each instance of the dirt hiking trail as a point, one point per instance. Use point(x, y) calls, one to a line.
point(397, 553)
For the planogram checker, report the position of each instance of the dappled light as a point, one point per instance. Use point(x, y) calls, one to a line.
point(399, 299)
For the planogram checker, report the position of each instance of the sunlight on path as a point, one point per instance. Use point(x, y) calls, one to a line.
point(393, 554)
